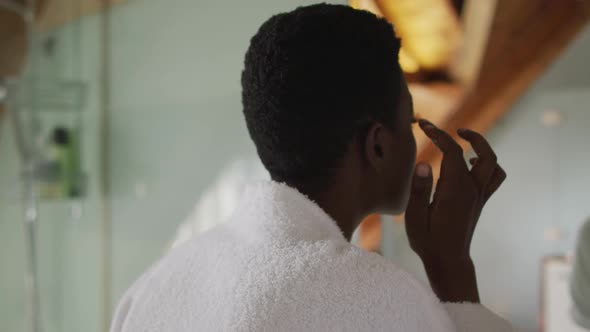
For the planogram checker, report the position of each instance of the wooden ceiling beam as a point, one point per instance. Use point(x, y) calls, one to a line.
point(477, 21)
point(526, 37)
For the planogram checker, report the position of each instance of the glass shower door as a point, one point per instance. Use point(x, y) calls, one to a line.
point(50, 202)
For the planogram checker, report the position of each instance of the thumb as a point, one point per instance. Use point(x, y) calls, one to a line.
point(418, 205)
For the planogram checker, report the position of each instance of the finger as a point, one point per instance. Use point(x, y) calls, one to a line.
point(483, 170)
point(441, 139)
point(496, 181)
point(498, 178)
point(452, 162)
point(418, 205)
point(480, 145)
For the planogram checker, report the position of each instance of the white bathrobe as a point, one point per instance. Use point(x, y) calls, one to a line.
point(282, 264)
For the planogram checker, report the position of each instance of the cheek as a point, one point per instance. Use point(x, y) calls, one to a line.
point(414, 152)
point(399, 181)
point(408, 170)
point(404, 160)
point(410, 155)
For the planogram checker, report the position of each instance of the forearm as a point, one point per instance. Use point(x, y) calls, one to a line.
point(452, 281)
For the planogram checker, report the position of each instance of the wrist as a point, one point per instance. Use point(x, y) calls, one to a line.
point(452, 279)
point(448, 264)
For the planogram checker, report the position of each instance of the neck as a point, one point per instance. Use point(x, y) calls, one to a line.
point(341, 203)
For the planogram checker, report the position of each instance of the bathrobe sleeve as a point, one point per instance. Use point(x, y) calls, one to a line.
point(126, 303)
point(469, 317)
point(122, 310)
point(120, 315)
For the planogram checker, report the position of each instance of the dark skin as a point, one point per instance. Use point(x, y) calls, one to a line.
point(440, 231)
point(377, 175)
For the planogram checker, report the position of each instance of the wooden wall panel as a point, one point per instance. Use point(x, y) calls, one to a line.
point(59, 12)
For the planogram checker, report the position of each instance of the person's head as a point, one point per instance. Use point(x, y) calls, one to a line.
point(326, 103)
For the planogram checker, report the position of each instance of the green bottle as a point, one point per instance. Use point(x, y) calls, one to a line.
point(61, 175)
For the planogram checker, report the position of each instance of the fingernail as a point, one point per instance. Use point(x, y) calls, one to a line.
point(427, 126)
point(424, 122)
point(423, 170)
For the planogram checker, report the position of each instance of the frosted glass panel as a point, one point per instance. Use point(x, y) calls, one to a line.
point(49, 196)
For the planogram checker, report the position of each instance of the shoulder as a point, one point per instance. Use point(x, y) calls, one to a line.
point(176, 261)
point(383, 284)
point(381, 269)
point(373, 265)
point(393, 287)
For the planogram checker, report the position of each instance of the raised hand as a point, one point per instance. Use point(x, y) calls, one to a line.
point(440, 231)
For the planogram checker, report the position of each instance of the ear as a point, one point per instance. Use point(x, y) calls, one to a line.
point(376, 143)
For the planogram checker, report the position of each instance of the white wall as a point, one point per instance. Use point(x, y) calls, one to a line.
point(177, 115)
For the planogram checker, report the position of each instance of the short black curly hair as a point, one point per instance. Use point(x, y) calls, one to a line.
point(313, 78)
